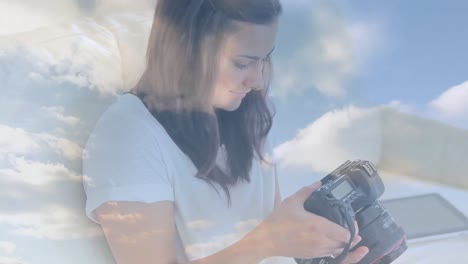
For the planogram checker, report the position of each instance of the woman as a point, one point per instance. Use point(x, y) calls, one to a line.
point(176, 168)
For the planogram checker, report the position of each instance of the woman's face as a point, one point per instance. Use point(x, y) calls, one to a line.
point(241, 62)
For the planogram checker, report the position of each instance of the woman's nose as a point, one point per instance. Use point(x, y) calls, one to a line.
point(255, 79)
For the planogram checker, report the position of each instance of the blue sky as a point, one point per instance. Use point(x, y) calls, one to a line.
point(424, 51)
point(406, 53)
point(335, 61)
point(370, 53)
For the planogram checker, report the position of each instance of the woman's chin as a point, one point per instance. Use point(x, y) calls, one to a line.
point(231, 106)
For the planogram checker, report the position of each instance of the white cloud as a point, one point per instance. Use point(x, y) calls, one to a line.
point(130, 218)
point(7, 247)
point(7, 260)
point(71, 150)
point(203, 249)
point(366, 37)
point(63, 56)
point(453, 102)
point(107, 6)
point(400, 106)
point(24, 15)
point(53, 223)
point(325, 50)
point(200, 224)
point(450, 107)
point(248, 225)
point(349, 133)
point(15, 141)
point(88, 180)
point(58, 113)
point(324, 60)
point(73, 60)
point(37, 173)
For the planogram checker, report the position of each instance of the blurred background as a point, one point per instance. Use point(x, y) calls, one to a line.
point(336, 62)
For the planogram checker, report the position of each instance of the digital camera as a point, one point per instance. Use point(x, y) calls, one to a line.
point(350, 193)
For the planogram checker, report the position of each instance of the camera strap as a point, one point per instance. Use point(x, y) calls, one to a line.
point(348, 217)
point(346, 220)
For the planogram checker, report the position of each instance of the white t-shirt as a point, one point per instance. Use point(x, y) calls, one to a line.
point(130, 157)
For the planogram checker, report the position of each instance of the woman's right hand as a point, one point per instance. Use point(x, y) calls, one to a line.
point(295, 232)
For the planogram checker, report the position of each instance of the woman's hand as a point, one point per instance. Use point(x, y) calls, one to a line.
point(294, 232)
point(356, 255)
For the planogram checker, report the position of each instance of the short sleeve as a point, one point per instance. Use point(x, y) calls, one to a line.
point(123, 161)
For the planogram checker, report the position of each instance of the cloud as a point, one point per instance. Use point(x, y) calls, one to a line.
point(69, 149)
point(7, 247)
point(36, 173)
point(51, 222)
point(453, 102)
point(450, 107)
point(7, 260)
point(43, 200)
point(108, 6)
point(130, 218)
point(339, 135)
point(58, 113)
point(24, 15)
point(322, 49)
point(366, 37)
point(324, 60)
point(15, 141)
point(62, 57)
point(402, 107)
point(198, 250)
point(19, 142)
point(200, 224)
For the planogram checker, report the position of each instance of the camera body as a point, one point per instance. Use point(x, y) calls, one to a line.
point(350, 193)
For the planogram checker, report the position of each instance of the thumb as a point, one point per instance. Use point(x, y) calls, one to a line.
point(305, 191)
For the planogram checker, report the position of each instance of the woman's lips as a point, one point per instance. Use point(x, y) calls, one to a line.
point(237, 92)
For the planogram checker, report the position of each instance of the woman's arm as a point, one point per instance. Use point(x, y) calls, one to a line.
point(145, 233)
point(139, 232)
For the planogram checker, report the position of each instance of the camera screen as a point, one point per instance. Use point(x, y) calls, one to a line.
point(342, 190)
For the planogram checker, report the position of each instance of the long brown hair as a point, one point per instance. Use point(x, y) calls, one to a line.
point(177, 85)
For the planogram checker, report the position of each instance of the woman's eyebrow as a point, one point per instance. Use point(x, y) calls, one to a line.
point(255, 57)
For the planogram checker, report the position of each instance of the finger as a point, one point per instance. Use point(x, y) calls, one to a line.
point(356, 240)
point(336, 232)
point(356, 256)
point(335, 253)
point(338, 251)
point(329, 248)
point(356, 227)
point(305, 191)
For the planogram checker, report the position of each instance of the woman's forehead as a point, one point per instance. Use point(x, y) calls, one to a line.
point(251, 40)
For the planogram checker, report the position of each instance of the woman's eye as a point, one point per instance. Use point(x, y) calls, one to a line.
point(240, 65)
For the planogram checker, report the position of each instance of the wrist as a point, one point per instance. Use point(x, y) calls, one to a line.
point(261, 242)
point(254, 247)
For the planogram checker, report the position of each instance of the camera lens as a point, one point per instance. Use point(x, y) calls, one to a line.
point(394, 254)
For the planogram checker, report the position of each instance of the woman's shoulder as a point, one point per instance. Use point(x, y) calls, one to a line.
point(127, 123)
point(128, 108)
point(128, 113)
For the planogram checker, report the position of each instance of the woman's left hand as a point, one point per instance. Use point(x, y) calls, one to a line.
point(356, 255)
point(359, 253)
